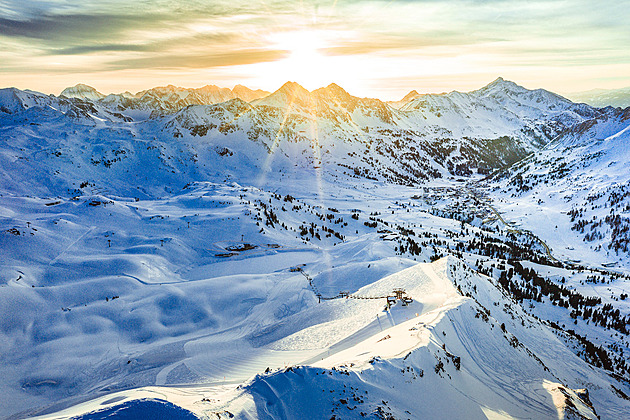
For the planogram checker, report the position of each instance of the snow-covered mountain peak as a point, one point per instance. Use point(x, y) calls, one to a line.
point(500, 85)
point(214, 90)
point(519, 120)
point(169, 89)
point(332, 91)
point(411, 95)
point(292, 88)
point(169, 99)
point(500, 81)
point(239, 88)
point(14, 100)
point(82, 91)
point(248, 94)
point(502, 90)
point(289, 95)
point(406, 99)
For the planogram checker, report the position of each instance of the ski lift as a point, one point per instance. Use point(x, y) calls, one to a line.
point(399, 293)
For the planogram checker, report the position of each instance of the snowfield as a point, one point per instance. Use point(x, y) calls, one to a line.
point(448, 349)
point(218, 253)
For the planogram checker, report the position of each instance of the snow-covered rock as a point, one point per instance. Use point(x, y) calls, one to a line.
point(174, 249)
point(81, 91)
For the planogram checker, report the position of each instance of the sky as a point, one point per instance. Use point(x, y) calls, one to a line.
point(373, 48)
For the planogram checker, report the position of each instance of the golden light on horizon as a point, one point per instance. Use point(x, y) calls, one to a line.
point(377, 48)
point(306, 62)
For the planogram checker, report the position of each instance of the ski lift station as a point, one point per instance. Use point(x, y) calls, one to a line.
point(398, 295)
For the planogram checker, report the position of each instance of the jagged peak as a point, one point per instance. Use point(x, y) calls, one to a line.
point(211, 88)
point(292, 87)
point(332, 89)
point(239, 87)
point(290, 92)
point(81, 90)
point(168, 88)
point(501, 84)
point(248, 94)
point(411, 95)
point(500, 81)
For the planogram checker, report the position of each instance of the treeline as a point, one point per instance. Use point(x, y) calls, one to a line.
point(533, 287)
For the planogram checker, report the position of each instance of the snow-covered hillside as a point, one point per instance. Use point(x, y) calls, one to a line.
point(429, 137)
point(579, 186)
point(461, 357)
point(175, 256)
point(531, 118)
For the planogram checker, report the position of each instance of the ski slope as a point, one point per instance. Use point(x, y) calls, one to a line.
point(439, 347)
point(191, 259)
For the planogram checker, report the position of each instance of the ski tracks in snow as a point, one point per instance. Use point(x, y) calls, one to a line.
point(54, 260)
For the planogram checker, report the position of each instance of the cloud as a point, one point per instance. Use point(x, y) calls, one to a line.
point(197, 61)
point(367, 43)
point(88, 49)
point(43, 36)
point(73, 27)
point(179, 43)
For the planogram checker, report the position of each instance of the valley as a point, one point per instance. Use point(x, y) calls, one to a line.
point(215, 259)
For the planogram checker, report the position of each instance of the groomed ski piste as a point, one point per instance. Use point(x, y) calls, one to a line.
point(443, 356)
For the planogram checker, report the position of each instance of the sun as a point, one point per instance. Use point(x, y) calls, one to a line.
point(307, 61)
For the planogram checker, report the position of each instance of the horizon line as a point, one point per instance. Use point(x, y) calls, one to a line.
point(409, 91)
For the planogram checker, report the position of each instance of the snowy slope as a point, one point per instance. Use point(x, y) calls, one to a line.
point(459, 357)
point(502, 108)
point(579, 184)
point(14, 100)
point(177, 256)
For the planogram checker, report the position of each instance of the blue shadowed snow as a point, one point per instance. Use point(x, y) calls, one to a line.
point(141, 409)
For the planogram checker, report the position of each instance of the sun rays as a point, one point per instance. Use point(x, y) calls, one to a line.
point(307, 61)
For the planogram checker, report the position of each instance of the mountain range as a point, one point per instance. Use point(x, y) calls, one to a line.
point(429, 137)
point(217, 253)
point(604, 97)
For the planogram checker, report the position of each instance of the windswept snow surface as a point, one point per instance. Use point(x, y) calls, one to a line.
point(450, 352)
point(234, 259)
